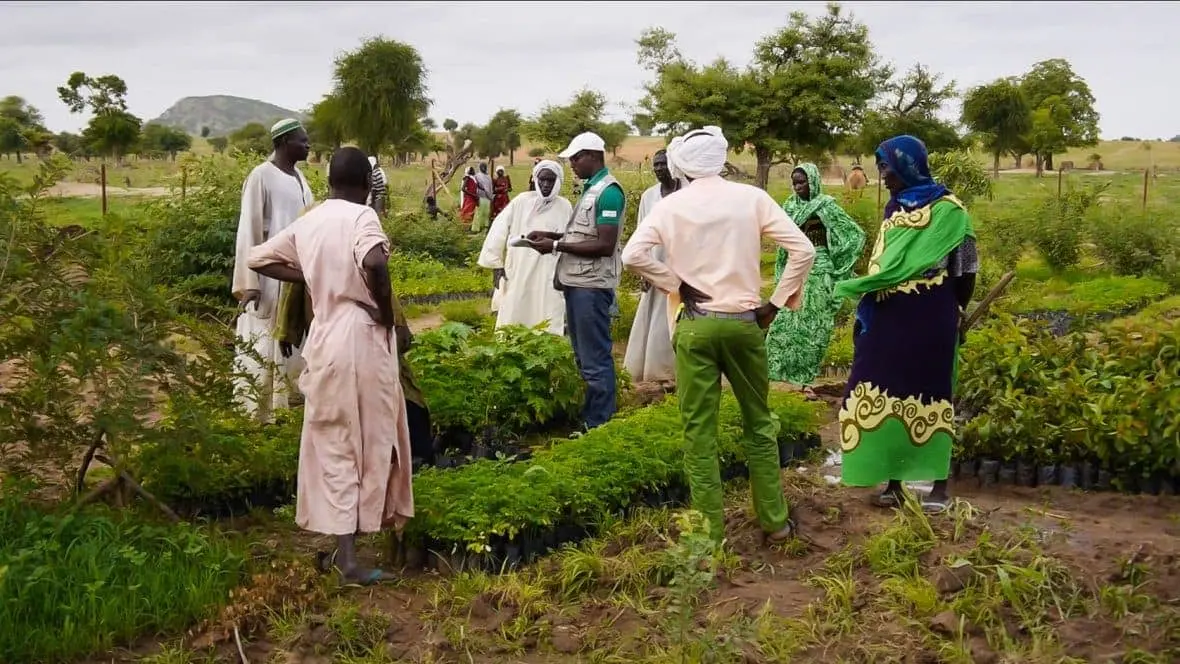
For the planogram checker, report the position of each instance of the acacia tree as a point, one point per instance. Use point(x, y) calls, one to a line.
point(807, 86)
point(381, 88)
point(22, 128)
point(999, 112)
point(909, 105)
point(1062, 105)
point(643, 123)
point(112, 130)
point(325, 127)
point(167, 140)
point(554, 126)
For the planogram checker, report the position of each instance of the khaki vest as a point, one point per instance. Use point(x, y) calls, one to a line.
point(580, 271)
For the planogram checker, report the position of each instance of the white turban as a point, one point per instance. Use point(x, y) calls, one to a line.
point(700, 153)
point(544, 201)
point(677, 174)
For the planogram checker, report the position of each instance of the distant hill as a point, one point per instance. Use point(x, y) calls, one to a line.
point(222, 114)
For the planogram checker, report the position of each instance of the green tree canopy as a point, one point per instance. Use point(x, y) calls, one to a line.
point(112, 131)
point(909, 104)
point(381, 87)
point(999, 112)
point(554, 126)
point(1062, 105)
point(167, 140)
point(808, 84)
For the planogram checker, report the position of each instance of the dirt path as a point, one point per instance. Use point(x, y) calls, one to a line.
point(90, 190)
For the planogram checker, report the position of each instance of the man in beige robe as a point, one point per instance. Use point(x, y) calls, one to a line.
point(354, 454)
point(274, 195)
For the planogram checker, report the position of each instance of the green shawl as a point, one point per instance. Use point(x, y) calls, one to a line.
point(293, 320)
point(910, 243)
point(845, 237)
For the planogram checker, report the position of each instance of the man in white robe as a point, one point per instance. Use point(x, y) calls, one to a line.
point(523, 277)
point(274, 195)
point(649, 356)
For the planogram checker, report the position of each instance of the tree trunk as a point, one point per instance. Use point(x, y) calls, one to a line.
point(512, 157)
point(1040, 164)
point(1049, 161)
point(762, 174)
point(1018, 158)
point(996, 165)
point(18, 156)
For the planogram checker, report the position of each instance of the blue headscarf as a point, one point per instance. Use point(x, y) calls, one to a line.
point(906, 156)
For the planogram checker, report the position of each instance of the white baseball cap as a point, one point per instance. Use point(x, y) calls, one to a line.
point(584, 141)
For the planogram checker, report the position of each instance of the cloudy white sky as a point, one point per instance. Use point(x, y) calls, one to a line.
point(486, 55)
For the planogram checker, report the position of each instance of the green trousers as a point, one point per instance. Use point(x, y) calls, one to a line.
point(706, 349)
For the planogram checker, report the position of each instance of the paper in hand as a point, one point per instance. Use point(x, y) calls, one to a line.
point(521, 241)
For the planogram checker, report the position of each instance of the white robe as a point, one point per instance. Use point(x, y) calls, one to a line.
point(528, 296)
point(271, 201)
point(649, 354)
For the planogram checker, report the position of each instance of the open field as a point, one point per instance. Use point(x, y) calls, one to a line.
point(1117, 156)
point(600, 560)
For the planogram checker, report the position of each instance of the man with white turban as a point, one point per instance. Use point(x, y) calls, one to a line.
point(588, 270)
point(274, 195)
point(711, 233)
point(649, 347)
point(523, 277)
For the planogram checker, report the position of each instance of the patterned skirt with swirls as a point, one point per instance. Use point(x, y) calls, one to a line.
point(897, 422)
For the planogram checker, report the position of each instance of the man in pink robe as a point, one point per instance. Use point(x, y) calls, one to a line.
point(354, 456)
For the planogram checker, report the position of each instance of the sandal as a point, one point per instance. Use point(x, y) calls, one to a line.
point(935, 505)
point(888, 500)
point(782, 535)
point(373, 577)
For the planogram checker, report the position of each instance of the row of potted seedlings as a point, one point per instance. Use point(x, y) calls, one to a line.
point(493, 514)
point(1087, 475)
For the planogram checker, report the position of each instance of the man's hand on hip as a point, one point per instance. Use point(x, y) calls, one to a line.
point(765, 315)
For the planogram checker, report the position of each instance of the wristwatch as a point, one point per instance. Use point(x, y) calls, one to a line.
point(555, 245)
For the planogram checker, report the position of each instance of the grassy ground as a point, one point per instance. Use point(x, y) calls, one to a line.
point(1022, 576)
point(1010, 575)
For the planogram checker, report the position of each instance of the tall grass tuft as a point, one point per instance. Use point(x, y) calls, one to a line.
point(81, 583)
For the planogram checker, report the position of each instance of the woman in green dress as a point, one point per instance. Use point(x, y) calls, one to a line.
point(798, 340)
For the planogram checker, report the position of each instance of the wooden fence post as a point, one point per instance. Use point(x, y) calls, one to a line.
point(102, 178)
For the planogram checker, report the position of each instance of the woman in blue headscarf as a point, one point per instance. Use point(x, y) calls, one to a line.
point(897, 422)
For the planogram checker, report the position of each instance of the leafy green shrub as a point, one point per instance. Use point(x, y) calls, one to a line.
point(1057, 231)
point(583, 480)
point(1108, 396)
point(963, 173)
point(82, 583)
point(1093, 296)
point(415, 276)
point(1133, 242)
point(415, 233)
point(192, 240)
point(863, 210)
point(620, 326)
point(220, 465)
point(95, 345)
point(472, 314)
point(513, 378)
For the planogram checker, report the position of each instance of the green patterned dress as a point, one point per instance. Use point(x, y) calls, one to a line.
point(798, 340)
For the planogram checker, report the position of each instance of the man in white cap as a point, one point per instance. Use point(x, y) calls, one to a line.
point(588, 269)
point(274, 195)
point(711, 232)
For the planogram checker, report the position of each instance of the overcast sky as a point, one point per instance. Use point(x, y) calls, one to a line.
point(487, 55)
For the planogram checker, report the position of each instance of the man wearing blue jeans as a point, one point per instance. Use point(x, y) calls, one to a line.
point(588, 269)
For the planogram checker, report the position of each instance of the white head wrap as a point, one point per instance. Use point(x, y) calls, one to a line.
point(544, 201)
point(700, 153)
point(499, 169)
